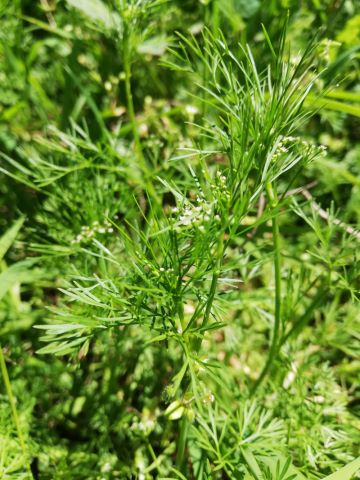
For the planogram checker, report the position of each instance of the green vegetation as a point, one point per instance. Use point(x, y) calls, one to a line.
point(179, 272)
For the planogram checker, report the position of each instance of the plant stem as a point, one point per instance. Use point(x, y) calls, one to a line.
point(197, 345)
point(12, 402)
point(277, 271)
point(215, 18)
point(181, 444)
point(130, 102)
point(214, 282)
point(132, 117)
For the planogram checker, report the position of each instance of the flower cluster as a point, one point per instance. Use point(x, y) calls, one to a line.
point(87, 233)
point(220, 185)
point(204, 212)
point(165, 270)
point(197, 215)
point(311, 148)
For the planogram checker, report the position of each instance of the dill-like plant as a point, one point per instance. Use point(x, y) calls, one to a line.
point(184, 266)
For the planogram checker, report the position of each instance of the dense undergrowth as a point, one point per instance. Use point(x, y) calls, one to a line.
point(179, 216)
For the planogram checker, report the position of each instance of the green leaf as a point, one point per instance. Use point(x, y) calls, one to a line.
point(61, 348)
point(9, 236)
point(252, 463)
point(18, 273)
point(59, 329)
point(97, 11)
point(346, 472)
point(273, 462)
point(155, 46)
point(158, 338)
point(344, 95)
point(78, 405)
point(333, 105)
point(49, 28)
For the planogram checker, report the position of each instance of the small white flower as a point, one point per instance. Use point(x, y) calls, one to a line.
point(191, 110)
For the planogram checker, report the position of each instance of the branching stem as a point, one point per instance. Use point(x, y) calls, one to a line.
point(181, 444)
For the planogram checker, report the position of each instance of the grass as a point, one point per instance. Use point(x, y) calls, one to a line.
point(179, 274)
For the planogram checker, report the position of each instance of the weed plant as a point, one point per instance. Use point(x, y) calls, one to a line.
point(188, 257)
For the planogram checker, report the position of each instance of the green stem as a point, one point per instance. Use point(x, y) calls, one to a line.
point(213, 286)
point(274, 346)
point(132, 118)
point(215, 18)
point(12, 402)
point(181, 444)
point(184, 425)
point(198, 342)
point(130, 104)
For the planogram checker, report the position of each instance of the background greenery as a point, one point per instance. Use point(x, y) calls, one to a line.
point(97, 104)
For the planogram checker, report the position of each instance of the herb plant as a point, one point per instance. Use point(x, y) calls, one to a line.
point(191, 277)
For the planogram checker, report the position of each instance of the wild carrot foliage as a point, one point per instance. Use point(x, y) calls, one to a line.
point(180, 225)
